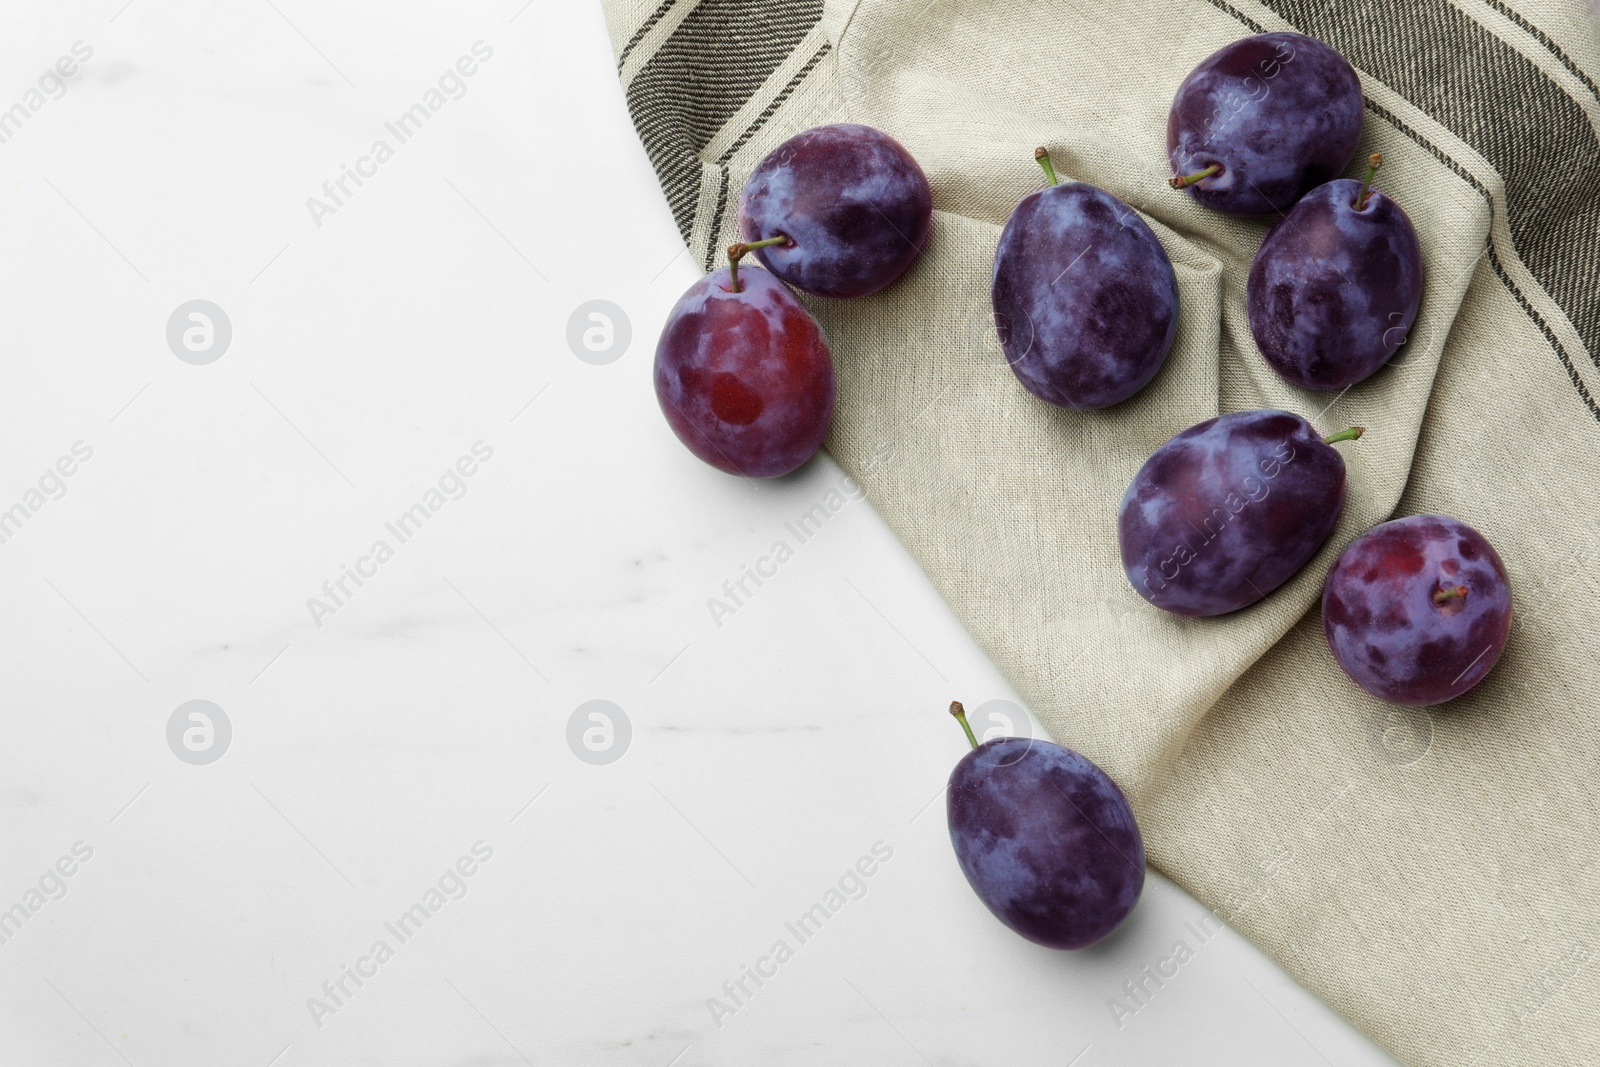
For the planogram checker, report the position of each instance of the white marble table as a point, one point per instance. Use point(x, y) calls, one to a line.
point(200, 522)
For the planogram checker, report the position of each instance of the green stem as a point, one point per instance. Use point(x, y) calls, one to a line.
point(961, 716)
point(1186, 180)
point(1044, 161)
point(1374, 161)
point(1444, 596)
point(1353, 433)
point(737, 252)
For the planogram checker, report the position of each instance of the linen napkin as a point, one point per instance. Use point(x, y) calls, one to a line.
point(1432, 874)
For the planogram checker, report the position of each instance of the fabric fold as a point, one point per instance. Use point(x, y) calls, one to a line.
point(1441, 887)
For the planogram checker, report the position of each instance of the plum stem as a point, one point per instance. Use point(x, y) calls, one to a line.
point(1444, 596)
point(961, 713)
point(1186, 180)
point(1374, 161)
point(1352, 434)
point(736, 252)
point(1044, 161)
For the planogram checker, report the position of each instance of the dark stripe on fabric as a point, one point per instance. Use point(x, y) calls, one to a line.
point(744, 139)
point(1224, 6)
point(1544, 327)
point(710, 66)
point(1518, 118)
point(777, 102)
point(1494, 257)
point(644, 28)
point(1550, 46)
point(1438, 153)
point(1332, 35)
point(716, 221)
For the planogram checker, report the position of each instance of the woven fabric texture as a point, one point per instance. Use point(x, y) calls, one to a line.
point(1432, 874)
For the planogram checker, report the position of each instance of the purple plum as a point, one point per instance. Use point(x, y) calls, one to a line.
point(1230, 509)
point(1335, 287)
point(1417, 610)
point(1262, 121)
point(744, 375)
point(1045, 838)
point(854, 207)
point(1085, 300)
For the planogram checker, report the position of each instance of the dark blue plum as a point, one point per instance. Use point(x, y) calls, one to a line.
point(1046, 840)
point(856, 209)
point(1229, 510)
point(745, 378)
point(1334, 288)
point(1418, 610)
point(1277, 114)
point(1085, 300)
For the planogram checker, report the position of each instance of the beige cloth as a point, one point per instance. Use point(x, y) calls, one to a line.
point(1441, 888)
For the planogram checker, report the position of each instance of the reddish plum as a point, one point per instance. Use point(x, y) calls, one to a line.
point(1417, 611)
point(1335, 285)
point(854, 207)
point(1045, 838)
point(1085, 299)
point(1229, 510)
point(743, 373)
point(1262, 121)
